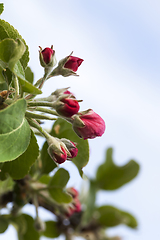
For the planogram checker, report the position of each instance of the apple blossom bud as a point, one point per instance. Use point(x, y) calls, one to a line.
point(67, 107)
point(47, 57)
point(75, 205)
point(57, 150)
point(58, 157)
point(73, 63)
point(67, 66)
point(73, 192)
point(73, 151)
point(71, 148)
point(69, 211)
point(88, 124)
point(58, 93)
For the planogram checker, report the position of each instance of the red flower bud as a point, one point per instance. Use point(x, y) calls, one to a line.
point(67, 66)
point(71, 147)
point(47, 54)
point(69, 212)
point(73, 151)
point(67, 107)
point(77, 205)
point(73, 63)
point(68, 92)
point(47, 57)
point(73, 192)
point(58, 157)
point(88, 124)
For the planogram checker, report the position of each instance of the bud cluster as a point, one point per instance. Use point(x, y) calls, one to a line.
point(75, 205)
point(86, 124)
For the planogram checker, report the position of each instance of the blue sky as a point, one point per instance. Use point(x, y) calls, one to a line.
point(119, 79)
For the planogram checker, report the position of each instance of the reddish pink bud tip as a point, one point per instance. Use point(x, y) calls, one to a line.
point(58, 157)
point(70, 107)
point(73, 152)
point(47, 54)
point(94, 125)
point(73, 63)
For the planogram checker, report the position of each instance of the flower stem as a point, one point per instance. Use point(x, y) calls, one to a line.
point(35, 124)
point(46, 110)
point(35, 103)
point(35, 202)
point(38, 116)
point(16, 86)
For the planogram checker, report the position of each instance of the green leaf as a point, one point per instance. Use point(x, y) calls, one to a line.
point(20, 167)
point(26, 86)
point(59, 195)
point(59, 179)
point(1, 8)
point(6, 185)
point(110, 216)
point(5, 74)
point(25, 227)
point(11, 51)
point(3, 224)
point(8, 31)
point(2, 80)
point(130, 221)
point(3, 86)
point(14, 131)
point(45, 179)
point(110, 176)
point(56, 185)
point(47, 163)
point(63, 129)
point(29, 76)
point(51, 230)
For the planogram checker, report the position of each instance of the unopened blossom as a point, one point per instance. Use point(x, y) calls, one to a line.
point(88, 124)
point(71, 146)
point(73, 151)
point(75, 205)
point(67, 107)
point(47, 57)
point(73, 192)
point(73, 63)
point(58, 156)
point(67, 66)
